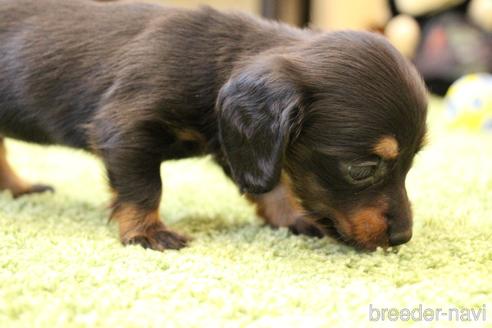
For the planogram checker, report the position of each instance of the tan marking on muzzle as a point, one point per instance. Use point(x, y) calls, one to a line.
point(369, 228)
point(366, 227)
point(387, 148)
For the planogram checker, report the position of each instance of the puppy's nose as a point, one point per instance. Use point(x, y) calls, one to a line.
point(400, 237)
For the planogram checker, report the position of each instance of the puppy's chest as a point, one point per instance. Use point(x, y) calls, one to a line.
point(189, 140)
point(187, 143)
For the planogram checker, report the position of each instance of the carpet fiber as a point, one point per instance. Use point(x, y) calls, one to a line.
point(61, 263)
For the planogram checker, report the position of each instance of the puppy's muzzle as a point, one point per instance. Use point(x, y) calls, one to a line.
point(375, 226)
point(397, 237)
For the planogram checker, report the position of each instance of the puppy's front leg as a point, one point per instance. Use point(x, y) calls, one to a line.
point(133, 168)
point(143, 226)
point(279, 208)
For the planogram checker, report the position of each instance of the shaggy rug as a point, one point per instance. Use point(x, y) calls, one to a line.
point(61, 263)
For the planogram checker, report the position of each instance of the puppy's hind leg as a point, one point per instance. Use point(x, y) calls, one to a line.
point(9, 180)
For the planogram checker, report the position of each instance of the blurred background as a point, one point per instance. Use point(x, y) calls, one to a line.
point(449, 41)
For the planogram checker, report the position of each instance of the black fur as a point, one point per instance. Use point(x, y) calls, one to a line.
point(127, 81)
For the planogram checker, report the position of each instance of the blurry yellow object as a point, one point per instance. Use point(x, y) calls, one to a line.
point(469, 103)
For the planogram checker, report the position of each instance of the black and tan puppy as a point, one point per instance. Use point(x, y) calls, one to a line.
point(318, 129)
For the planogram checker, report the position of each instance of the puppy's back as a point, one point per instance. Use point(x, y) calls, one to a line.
point(57, 58)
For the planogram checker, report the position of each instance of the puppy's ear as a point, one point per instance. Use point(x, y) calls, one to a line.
point(257, 110)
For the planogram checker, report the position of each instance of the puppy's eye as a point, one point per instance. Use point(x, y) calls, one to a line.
point(362, 171)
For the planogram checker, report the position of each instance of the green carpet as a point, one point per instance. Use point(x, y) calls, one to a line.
point(61, 264)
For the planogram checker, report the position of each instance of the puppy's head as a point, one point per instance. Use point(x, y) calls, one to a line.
point(342, 116)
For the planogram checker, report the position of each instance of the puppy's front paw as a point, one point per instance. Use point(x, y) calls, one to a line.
point(159, 240)
point(304, 226)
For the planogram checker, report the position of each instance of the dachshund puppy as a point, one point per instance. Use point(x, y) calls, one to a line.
point(318, 129)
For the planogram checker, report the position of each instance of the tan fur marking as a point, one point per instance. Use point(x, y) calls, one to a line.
point(366, 227)
point(8, 178)
point(190, 135)
point(342, 224)
point(146, 228)
point(387, 148)
point(134, 222)
point(369, 228)
point(279, 207)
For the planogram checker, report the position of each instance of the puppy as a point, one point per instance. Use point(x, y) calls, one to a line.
point(318, 129)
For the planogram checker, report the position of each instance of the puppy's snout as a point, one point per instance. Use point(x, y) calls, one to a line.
point(399, 237)
point(399, 230)
point(399, 218)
